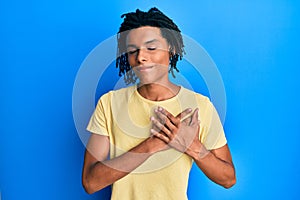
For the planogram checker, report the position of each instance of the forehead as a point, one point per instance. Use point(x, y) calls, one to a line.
point(141, 35)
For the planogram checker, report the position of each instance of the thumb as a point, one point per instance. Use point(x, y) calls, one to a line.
point(183, 114)
point(195, 117)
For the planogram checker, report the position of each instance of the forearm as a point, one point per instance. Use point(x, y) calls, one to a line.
point(220, 171)
point(104, 173)
point(183, 135)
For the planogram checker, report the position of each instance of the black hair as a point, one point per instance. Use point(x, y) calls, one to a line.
point(155, 18)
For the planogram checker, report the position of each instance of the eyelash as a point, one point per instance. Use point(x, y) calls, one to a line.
point(149, 48)
point(132, 52)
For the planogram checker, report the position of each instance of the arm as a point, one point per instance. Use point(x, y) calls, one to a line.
point(216, 164)
point(184, 137)
point(98, 172)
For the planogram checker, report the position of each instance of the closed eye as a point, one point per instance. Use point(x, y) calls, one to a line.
point(151, 48)
point(132, 51)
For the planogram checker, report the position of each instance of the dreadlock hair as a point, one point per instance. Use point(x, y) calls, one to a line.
point(154, 18)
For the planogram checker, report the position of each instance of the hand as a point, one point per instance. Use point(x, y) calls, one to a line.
point(178, 134)
point(155, 144)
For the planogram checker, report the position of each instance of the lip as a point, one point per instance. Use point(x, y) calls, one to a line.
point(144, 68)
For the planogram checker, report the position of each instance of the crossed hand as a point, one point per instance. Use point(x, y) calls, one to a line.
point(177, 132)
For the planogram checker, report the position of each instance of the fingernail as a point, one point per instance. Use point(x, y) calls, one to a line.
point(189, 109)
point(160, 108)
point(151, 118)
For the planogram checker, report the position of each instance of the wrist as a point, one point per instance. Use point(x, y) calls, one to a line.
point(197, 151)
point(203, 152)
point(144, 147)
point(151, 145)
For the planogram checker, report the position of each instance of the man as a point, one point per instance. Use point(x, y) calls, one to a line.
point(154, 130)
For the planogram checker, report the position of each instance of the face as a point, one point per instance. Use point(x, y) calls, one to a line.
point(148, 54)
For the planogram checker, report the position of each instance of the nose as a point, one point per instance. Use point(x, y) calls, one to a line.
point(141, 56)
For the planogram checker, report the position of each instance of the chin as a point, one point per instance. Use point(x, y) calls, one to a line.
point(145, 82)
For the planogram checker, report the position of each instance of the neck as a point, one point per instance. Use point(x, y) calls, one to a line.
point(158, 92)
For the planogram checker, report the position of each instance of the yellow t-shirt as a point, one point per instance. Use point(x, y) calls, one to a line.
point(124, 116)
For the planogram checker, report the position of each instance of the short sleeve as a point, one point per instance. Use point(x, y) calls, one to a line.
point(214, 136)
point(98, 123)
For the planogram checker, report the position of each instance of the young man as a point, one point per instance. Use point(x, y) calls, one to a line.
point(155, 129)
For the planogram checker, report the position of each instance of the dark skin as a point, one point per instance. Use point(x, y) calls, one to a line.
point(96, 166)
point(184, 137)
point(149, 57)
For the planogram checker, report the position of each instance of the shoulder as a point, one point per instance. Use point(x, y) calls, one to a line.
point(202, 99)
point(118, 94)
point(124, 91)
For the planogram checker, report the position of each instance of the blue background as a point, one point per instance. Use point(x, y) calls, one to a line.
point(255, 45)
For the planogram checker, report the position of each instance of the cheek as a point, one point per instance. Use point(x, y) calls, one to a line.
point(163, 58)
point(131, 60)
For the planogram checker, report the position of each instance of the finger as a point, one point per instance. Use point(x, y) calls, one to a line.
point(162, 118)
point(170, 125)
point(181, 116)
point(195, 120)
point(161, 127)
point(155, 128)
point(160, 136)
point(165, 121)
point(156, 124)
point(187, 121)
point(173, 119)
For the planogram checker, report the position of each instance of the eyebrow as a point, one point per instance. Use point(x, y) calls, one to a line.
point(148, 42)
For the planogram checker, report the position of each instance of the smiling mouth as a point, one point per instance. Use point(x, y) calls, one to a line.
point(144, 68)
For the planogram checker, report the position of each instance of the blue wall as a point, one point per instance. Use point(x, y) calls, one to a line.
point(255, 45)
